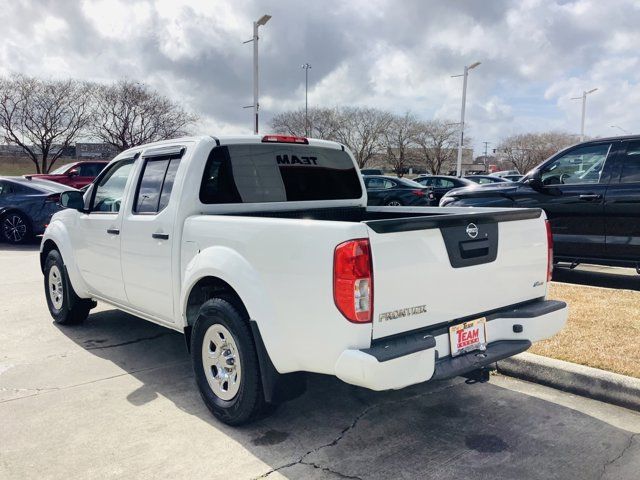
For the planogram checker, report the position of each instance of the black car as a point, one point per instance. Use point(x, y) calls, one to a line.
point(441, 184)
point(26, 207)
point(590, 193)
point(485, 179)
point(395, 192)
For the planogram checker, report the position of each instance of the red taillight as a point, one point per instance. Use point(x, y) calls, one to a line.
point(418, 193)
point(284, 139)
point(53, 198)
point(549, 251)
point(353, 280)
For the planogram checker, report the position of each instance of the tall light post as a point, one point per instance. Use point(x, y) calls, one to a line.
point(256, 106)
point(306, 67)
point(464, 101)
point(584, 109)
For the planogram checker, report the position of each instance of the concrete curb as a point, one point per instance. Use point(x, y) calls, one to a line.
point(570, 377)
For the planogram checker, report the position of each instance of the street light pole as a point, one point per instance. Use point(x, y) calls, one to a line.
point(256, 105)
point(627, 132)
point(584, 109)
point(306, 67)
point(464, 101)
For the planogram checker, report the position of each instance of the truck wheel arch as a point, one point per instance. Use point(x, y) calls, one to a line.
point(277, 387)
point(46, 248)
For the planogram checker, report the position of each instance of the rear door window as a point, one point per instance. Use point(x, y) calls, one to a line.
point(631, 164)
point(261, 173)
point(156, 183)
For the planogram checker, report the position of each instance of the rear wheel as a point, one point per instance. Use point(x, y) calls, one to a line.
point(225, 363)
point(65, 306)
point(16, 228)
point(394, 203)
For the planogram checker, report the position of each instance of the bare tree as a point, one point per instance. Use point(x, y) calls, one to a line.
point(128, 114)
point(527, 150)
point(399, 140)
point(43, 117)
point(363, 131)
point(437, 141)
point(323, 123)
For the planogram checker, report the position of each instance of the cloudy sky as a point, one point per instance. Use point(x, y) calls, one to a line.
point(397, 55)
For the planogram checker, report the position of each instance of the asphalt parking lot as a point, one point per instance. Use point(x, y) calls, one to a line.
point(115, 398)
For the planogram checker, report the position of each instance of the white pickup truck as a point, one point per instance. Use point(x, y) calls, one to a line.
point(263, 252)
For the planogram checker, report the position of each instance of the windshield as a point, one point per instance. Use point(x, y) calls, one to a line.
point(61, 169)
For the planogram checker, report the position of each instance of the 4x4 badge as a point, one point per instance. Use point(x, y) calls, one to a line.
point(472, 230)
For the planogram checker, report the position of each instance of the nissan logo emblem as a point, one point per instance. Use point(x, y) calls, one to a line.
point(472, 230)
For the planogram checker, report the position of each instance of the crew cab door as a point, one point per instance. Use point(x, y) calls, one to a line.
point(148, 235)
point(622, 205)
point(574, 187)
point(97, 238)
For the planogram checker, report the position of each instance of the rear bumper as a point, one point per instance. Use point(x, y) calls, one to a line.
point(401, 361)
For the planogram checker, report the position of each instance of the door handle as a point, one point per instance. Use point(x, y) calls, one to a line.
point(160, 236)
point(590, 196)
point(113, 231)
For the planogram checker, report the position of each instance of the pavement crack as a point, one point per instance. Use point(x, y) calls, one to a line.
point(343, 432)
point(45, 390)
point(619, 456)
point(329, 470)
point(130, 342)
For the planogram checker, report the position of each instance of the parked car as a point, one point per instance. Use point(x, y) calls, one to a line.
point(485, 179)
point(76, 174)
point(26, 207)
point(371, 171)
point(441, 184)
point(396, 192)
point(591, 194)
point(263, 252)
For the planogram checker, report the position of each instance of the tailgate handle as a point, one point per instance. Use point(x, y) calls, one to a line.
point(474, 248)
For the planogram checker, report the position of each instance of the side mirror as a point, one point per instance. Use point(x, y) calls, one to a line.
point(72, 199)
point(73, 172)
point(535, 181)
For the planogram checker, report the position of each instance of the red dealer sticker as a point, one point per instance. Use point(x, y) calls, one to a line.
point(468, 336)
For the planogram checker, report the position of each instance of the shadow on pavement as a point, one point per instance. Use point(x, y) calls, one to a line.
point(33, 245)
point(599, 277)
point(440, 430)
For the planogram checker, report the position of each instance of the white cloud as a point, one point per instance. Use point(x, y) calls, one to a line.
point(535, 55)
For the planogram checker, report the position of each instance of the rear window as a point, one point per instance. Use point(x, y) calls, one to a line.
point(278, 173)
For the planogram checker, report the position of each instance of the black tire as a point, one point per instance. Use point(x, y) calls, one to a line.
point(16, 228)
point(248, 402)
point(67, 308)
point(393, 202)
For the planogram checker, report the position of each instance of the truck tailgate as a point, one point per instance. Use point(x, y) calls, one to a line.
point(436, 269)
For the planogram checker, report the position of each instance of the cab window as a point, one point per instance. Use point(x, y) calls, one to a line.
point(110, 188)
point(89, 169)
point(579, 166)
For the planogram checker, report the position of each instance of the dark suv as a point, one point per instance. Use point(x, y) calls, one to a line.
point(591, 194)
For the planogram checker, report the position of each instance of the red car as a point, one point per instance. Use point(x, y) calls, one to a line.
point(76, 175)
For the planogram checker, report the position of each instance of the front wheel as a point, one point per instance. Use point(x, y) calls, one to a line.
point(65, 306)
point(225, 363)
point(394, 203)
